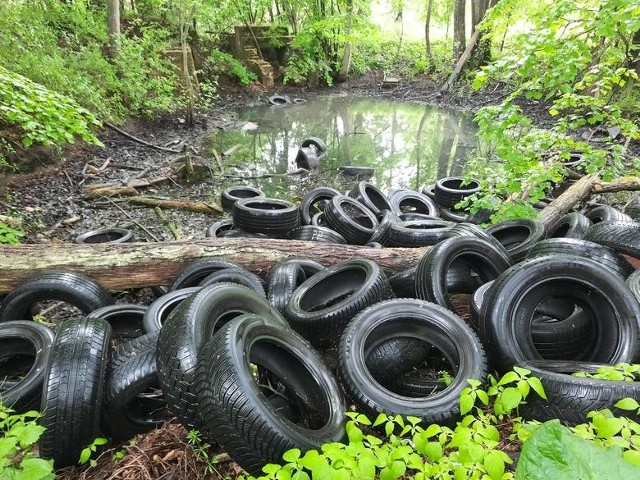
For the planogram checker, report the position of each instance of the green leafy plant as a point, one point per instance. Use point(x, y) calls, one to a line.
point(10, 235)
point(45, 117)
point(623, 372)
point(18, 435)
point(220, 62)
point(554, 450)
point(577, 61)
point(201, 451)
point(87, 453)
point(394, 447)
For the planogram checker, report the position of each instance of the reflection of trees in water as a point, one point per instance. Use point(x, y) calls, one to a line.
point(407, 143)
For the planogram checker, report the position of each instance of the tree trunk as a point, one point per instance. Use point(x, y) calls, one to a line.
point(427, 34)
point(113, 26)
point(482, 53)
point(135, 265)
point(459, 34)
point(346, 58)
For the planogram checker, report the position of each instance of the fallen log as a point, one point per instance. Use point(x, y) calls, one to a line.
point(197, 207)
point(623, 184)
point(576, 193)
point(137, 265)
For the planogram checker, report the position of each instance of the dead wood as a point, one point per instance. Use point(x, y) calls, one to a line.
point(461, 61)
point(136, 265)
point(575, 194)
point(197, 207)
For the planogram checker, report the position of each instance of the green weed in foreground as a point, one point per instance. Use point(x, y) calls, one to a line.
point(18, 435)
point(393, 446)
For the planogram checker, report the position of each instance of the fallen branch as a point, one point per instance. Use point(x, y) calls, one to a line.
point(573, 195)
point(135, 265)
point(109, 191)
point(138, 140)
point(623, 184)
point(197, 207)
point(461, 61)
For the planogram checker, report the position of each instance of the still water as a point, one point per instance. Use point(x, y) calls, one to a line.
point(408, 144)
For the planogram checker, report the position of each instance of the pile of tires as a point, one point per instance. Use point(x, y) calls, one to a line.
point(260, 365)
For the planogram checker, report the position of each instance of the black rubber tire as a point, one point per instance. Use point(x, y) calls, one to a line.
point(236, 275)
point(563, 338)
point(73, 389)
point(417, 233)
point(126, 319)
point(518, 236)
point(623, 237)
point(608, 257)
point(413, 217)
point(313, 233)
point(555, 333)
point(477, 300)
point(320, 308)
point(359, 173)
point(26, 340)
point(160, 309)
point(451, 215)
point(414, 319)
point(372, 198)
point(571, 398)
point(287, 275)
point(315, 142)
point(607, 213)
point(195, 272)
point(410, 201)
point(510, 305)
point(477, 254)
point(70, 287)
point(394, 357)
point(319, 220)
point(245, 422)
point(218, 228)
point(271, 216)
point(473, 230)
point(633, 282)
point(133, 401)
point(450, 190)
point(307, 158)
point(238, 233)
point(188, 328)
point(105, 235)
point(278, 100)
point(314, 202)
point(403, 283)
point(386, 218)
point(571, 225)
point(351, 219)
point(231, 195)
point(429, 190)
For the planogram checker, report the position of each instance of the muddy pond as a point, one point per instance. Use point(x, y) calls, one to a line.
point(408, 144)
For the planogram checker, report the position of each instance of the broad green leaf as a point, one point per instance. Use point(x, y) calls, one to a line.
point(553, 452)
point(510, 398)
point(607, 427)
point(537, 387)
point(628, 404)
point(292, 455)
point(433, 450)
point(35, 469)
point(494, 464)
point(85, 454)
point(466, 404)
point(509, 377)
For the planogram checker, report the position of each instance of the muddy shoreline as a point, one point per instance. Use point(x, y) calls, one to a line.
point(50, 200)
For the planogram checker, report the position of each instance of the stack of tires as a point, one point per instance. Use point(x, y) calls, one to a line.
point(263, 365)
